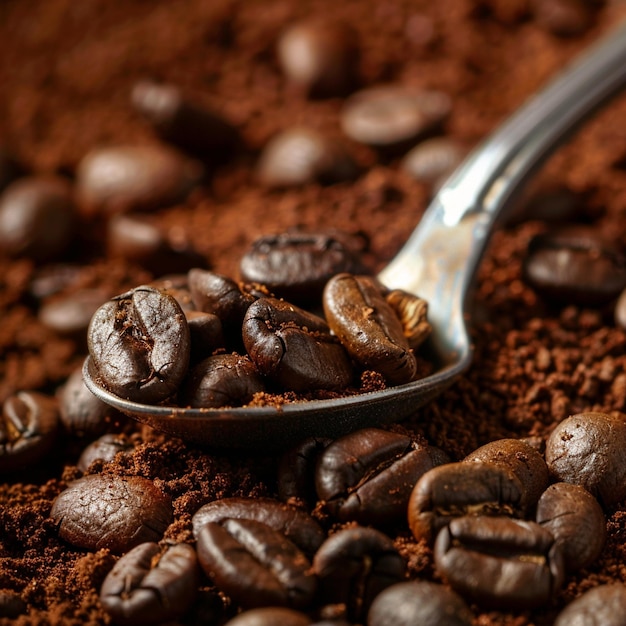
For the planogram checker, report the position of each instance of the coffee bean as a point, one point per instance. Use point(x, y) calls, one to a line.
point(9, 168)
point(368, 327)
point(524, 461)
point(564, 18)
point(188, 125)
point(499, 562)
point(147, 587)
point(297, 265)
point(432, 160)
point(205, 333)
point(604, 605)
point(550, 202)
point(419, 602)
point(321, 57)
point(354, 565)
point(220, 381)
point(52, 279)
point(114, 512)
point(296, 473)
point(104, 449)
point(130, 178)
point(37, 218)
point(412, 311)
point(368, 475)
point(139, 342)
point(296, 525)
point(620, 311)
point(576, 521)
point(294, 348)
point(176, 285)
point(81, 413)
point(575, 267)
point(27, 430)
point(456, 489)
point(11, 604)
point(298, 156)
point(589, 449)
point(255, 565)
point(393, 115)
point(270, 616)
point(70, 315)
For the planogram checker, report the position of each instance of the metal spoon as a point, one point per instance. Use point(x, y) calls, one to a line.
point(438, 262)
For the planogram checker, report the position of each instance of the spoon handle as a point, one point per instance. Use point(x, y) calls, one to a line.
point(440, 258)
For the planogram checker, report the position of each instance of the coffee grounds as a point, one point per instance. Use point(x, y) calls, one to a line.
point(67, 70)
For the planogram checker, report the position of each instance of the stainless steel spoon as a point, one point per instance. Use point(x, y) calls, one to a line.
point(438, 262)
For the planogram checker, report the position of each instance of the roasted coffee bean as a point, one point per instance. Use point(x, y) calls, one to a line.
point(368, 475)
point(296, 473)
point(620, 311)
point(431, 161)
point(576, 521)
point(392, 115)
point(81, 413)
point(298, 156)
point(270, 616)
point(354, 565)
point(70, 315)
point(295, 524)
point(176, 285)
point(419, 602)
point(589, 449)
point(37, 218)
point(412, 311)
point(11, 604)
point(576, 267)
point(188, 125)
point(147, 587)
point(27, 430)
point(499, 562)
point(131, 178)
point(457, 489)
point(296, 265)
point(368, 327)
point(564, 18)
point(139, 342)
point(220, 381)
point(114, 512)
point(524, 461)
point(255, 565)
point(604, 605)
point(104, 449)
point(321, 57)
point(550, 202)
point(51, 279)
point(294, 348)
point(205, 333)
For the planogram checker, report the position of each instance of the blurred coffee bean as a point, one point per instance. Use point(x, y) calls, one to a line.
point(297, 265)
point(296, 473)
point(620, 310)
point(393, 116)
point(433, 160)
point(69, 315)
point(270, 616)
point(354, 565)
point(27, 430)
point(294, 348)
point(9, 168)
point(320, 56)
point(499, 562)
point(37, 218)
point(223, 380)
point(368, 475)
point(295, 524)
point(412, 311)
point(523, 460)
point(175, 285)
point(205, 332)
point(131, 178)
point(298, 156)
point(576, 521)
point(51, 279)
point(550, 202)
point(139, 343)
point(564, 18)
point(104, 449)
point(589, 449)
point(255, 565)
point(419, 602)
point(189, 126)
point(456, 489)
point(604, 605)
point(146, 587)
point(81, 413)
point(575, 267)
point(114, 512)
point(368, 327)
point(11, 604)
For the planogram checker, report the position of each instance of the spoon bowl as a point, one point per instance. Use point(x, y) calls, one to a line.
point(438, 262)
